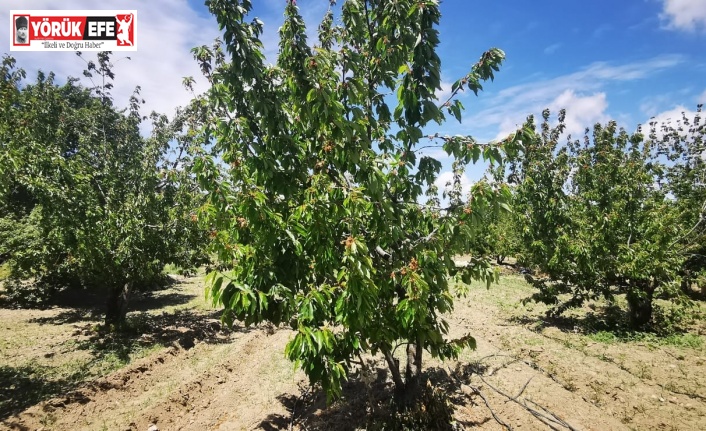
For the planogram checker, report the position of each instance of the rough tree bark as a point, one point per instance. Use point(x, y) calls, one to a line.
point(407, 391)
point(640, 304)
point(413, 374)
point(116, 307)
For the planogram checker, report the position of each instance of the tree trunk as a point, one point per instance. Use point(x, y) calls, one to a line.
point(407, 391)
point(116, 307)
point(413, 373)
point(394, 366)
point(640, 305)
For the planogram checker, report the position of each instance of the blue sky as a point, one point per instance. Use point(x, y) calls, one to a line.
point(626, 60)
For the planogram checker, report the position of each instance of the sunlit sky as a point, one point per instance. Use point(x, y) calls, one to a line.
point(627, 60)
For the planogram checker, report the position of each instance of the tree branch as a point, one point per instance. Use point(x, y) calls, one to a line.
point(394, 367)
point(701, 219)
point(371, 87)
point(385, 255)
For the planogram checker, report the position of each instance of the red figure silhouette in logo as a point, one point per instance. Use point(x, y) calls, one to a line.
point(124, 29)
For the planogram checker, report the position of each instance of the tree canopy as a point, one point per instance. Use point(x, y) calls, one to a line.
point(616, 212)
point(108, 207)
point(324, 216)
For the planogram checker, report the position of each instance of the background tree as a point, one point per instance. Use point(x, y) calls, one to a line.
point(109, 207)
point(597, 218)
point(500, 238)
point(16, 203)
point(681, 142)
point(317, 209)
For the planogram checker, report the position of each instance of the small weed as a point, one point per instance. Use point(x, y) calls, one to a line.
point(643, 371)
point(568, 344)
point(48, 420)
point(671, 386)
point(683, 370)
point(551, 369)
point(505, 342)
point(595, 397)
point(569, 385)
point(603, 337)
point(626, 417)
point(535, 341)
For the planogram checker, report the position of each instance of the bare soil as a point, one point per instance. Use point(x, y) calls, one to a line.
point(181, 370)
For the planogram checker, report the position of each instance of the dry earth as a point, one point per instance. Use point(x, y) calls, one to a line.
point(182, 371)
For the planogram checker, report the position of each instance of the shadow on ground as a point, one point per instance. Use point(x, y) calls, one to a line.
point(308, 410)
point(609, 318)
point(89, 304)
point(607, 321)
point(183, 328)
point(26, 385)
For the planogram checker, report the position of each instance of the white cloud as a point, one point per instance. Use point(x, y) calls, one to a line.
point(448, 177)
point(509, 108)
point(581, 111)
point(671, 117)
point(445, 92)
point(688, 15)
point(595, 76)
point(166, 32)
point(652, 105)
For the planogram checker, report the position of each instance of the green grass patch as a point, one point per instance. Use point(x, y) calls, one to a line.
point(605, 337)
point(685, 340)
point(600, 320)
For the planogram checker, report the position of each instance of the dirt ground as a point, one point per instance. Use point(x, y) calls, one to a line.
point(181, 370)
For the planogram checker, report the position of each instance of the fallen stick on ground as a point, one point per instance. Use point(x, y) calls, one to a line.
point(549, 418)
point(485, 400)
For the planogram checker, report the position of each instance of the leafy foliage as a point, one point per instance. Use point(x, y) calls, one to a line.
point(500, 238)
point(598, 217)
point(317, 211)
point(681, 142)
point(109, 208)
